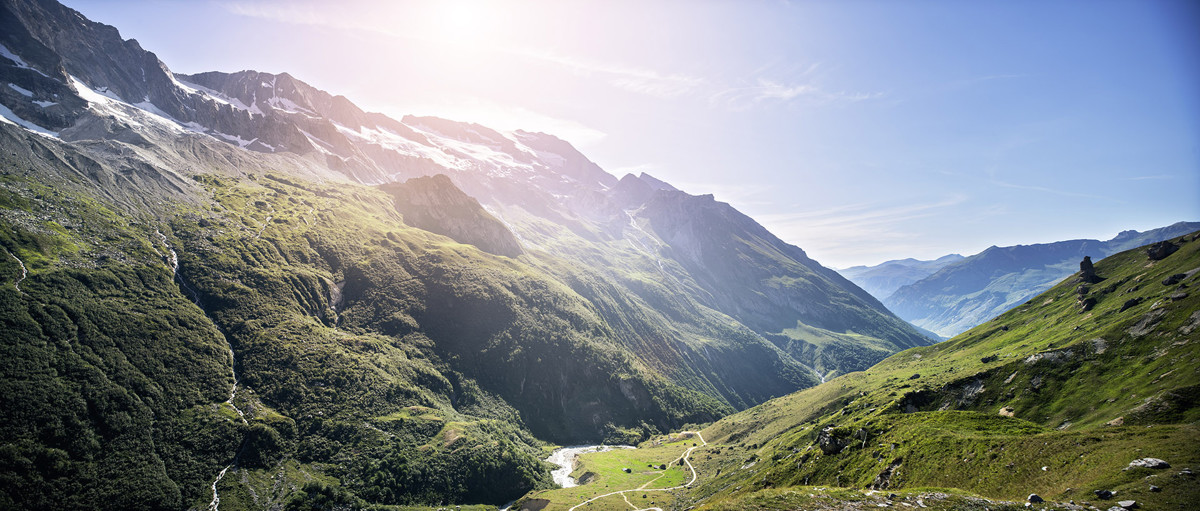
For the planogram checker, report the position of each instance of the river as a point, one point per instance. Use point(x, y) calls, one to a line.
point(565, 459)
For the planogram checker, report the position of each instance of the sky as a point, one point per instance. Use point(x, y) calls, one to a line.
point(858, 130)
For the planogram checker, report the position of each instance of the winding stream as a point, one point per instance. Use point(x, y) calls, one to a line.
point(24, 272)
point(215, 503)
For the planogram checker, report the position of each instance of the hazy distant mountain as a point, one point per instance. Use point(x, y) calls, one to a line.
point(233, 285)
point(969, 292)
point(885, 278)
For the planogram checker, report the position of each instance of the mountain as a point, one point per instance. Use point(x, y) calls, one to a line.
point(237, 289)
point(1052, 398)
point(969, 292)
point(885, 278)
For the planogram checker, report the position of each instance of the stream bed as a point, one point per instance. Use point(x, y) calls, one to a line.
point(565, 459)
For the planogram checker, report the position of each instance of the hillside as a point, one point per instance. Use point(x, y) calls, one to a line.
point(1056, 398)
point(235, 288)
point(967, 293)
point(1049, 398)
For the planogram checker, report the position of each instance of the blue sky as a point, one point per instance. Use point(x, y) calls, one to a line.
point(858, 130)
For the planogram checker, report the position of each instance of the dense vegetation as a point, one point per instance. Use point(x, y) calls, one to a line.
point(374, 361)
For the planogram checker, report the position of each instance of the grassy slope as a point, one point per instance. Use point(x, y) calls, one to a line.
point(1063, 372)
point(603, 473)
point(121, 378)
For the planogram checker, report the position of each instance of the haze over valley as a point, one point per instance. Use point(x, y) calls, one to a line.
point(246, 289)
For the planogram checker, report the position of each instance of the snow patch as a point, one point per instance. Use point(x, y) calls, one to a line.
point(104, 101)
point(9, 117)
point(4, 52)
point(45, 104)
point(178, 83)
point(241, 142)
point(318, 143)
point(289, 106)
point(24, 92)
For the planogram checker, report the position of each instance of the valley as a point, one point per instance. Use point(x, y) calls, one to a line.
point(1046, 399)
point(237, 291)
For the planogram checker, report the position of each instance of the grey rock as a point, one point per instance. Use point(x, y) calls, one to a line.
point(1161, 250)
point(1128, 504)
point(1104, 494)
point(1149, 463)
point(1087, 273)
point(828, 443)
point(1086, 304)
point(1155, 489)
point(1129, 304)
point(1034, 498)
point(1174, 279)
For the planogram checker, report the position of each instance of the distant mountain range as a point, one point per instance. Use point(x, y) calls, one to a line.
point(885, 278)
point(956, 293)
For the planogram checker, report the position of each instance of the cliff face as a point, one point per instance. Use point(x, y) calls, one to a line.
point(436, 205)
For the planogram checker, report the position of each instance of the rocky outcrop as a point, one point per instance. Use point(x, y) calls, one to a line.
point(1149, 463)
point(436, 205)
point(1161, 250)
point(1087, 272)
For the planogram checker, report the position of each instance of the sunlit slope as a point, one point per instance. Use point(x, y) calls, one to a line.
point(1088, 391)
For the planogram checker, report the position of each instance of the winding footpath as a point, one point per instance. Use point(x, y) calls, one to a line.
point(687, 455)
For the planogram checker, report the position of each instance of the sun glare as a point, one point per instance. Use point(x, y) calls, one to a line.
point(463, 23)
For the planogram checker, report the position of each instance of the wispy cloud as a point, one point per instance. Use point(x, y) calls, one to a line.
point(1043, 189)
point(630, 78)
point(855, 232)
point(768, 91)
point(765, 90)
point(1159, 177)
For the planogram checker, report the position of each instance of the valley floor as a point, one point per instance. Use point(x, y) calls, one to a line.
point(693, 480)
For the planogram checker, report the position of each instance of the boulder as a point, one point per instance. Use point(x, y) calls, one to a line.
point(1149, 463)
point(1128, 504)
point(1174, 279)
point(1103, 494)
point(1155, 489)
point(1086, 304)
point(1161, 250)
point(1034, 498)
point(828, 443)
point(1129, 304)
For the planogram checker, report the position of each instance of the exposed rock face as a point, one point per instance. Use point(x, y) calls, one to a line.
point(828, 443)
point(754, 276)
point(1087, 273)
point(436, 205)
point(1161, 250)
point(1174, 279)
point(1149, 463)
